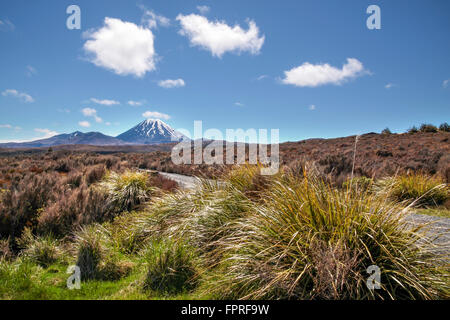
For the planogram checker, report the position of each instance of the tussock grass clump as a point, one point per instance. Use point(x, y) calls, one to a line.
point(423, 189)
point(199, 217)
point(43, 250)
point(127, 190)
point(214, 221)
point(311, 241)
point(129, 232)
point(96, 257)
point(359, 184)
point(90, 243)
point(172, 267)
point(248, 180)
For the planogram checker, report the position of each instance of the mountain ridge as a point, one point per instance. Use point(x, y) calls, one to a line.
point(147, 132)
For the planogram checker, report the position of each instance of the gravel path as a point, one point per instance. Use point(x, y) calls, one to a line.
point(185, 182)
point(439, 227)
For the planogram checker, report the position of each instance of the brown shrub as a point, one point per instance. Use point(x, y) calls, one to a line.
point(35, 169)
point(62, 166)
point(95, 174)
point(83, 206)
point(384, 153)
point(163, 183)
point(74, 180)
point(5, 250)
point(24, 200)
point(336, 164)
point(443, 167)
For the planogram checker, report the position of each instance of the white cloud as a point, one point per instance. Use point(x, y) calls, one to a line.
point(84, 124)
point(135, 103)
point(152, 20)
point(171, 83)
point(262, 77)
point(310, 75)
point(19, 140)
point(218, 37)
point(203, 9)
point(21, 95)
point(446, 83)
point(312, 107)
point(8, 126)
point(47, 133)
point(89, 112)
point(123, 47)
point(105, 102)
point(155, 115)
point(239, 104)
point(389, 85)
point(31, 71)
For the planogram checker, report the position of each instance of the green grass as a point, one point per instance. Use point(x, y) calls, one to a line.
point(172, 267)
point(20, 280)
point(35, 283)
point(27, 281)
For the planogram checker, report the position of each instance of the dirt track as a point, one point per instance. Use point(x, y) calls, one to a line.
point(185, 182)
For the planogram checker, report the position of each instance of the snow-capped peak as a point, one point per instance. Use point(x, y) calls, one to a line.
point(151, 131)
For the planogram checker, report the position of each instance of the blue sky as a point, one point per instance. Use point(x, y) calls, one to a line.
point(307, 68)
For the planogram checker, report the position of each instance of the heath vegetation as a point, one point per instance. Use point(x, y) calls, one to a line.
point(308, 232)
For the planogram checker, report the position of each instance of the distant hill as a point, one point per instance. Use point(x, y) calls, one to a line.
point(377, 155)
point(90, 138)
point(148, 132)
